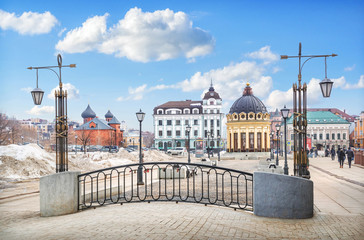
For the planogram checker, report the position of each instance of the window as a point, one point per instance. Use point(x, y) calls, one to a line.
point(178, 133)
point(212, 123)
point(195, 122)
point(186, 122)
point(169, 112)
point(212, 111)
point(327, 136)
point(333, 136)
point(338, 136)
point(320, 136)
point(169, 122)
point(205, 123)
point(186, 133)
point(160, 144)
point(218, 123)
point(315, 136)
point(195, 133)
point(195, 111)
point(178, 122)
point(160, 122)
point(344, 136)
point(160, 133)
point(205, 133)
point(218, 132)
point(169, 133)
point(205, 111)
point(292, 136)
point(211, 102)
point(187, 111)
point(160, 111)
point(217, 111)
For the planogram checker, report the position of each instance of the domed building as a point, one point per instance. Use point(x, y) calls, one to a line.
point(248, 124)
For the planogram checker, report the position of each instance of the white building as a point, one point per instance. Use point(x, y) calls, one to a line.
point(324, 129)
point(204, 117)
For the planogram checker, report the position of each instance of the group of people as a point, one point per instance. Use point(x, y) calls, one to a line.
point(342, 153)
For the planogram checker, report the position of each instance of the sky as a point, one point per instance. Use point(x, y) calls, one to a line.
point(133, 55)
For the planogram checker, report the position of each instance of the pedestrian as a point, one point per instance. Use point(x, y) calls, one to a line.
point(341, 156)
point(311, 152)
point(350, 155)
point(316, 153)
point(333, 153)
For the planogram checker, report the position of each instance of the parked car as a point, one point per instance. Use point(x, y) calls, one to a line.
point(112, 149)
point(177, 151)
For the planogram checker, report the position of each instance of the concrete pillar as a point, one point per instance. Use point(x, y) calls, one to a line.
point(59, 194)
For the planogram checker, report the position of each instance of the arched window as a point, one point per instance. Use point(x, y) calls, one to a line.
point(178, 144)
point(160, 111)
point(160, 144)
point(212, 143)
point(169, 144)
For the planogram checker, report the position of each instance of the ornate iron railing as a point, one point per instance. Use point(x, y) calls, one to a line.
point(167, 181)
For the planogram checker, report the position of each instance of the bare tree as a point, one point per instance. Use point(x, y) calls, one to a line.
point(9, 130)
point(85, 137)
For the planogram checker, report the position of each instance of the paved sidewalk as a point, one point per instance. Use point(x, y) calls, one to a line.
point(338, 215)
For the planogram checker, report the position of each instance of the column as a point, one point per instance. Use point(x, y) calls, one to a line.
point(239, 139)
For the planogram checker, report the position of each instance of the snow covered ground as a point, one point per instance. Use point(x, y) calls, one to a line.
point(30, 161)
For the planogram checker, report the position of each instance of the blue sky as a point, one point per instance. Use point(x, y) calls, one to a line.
point(133, 55)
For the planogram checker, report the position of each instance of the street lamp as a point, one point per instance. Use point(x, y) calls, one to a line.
point(271, 146)
point(219, 144)
point(300, 115)
point(76, 143)
point(284, 113)
point(188, 129)
point(277, 128)
point(140, 116)
point(61, 114)
point(208, 144)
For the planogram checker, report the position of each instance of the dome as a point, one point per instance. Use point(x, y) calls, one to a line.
point(211, 94)
point(109, 114)
point(248, 103)
point(88, 113)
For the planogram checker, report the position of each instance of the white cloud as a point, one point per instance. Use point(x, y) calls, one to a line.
point(72, 91)
point(264, 54)
point(61, 32)
point(348, 69)
point(138, 92)
point(343, 84)
point(27, 89)
point(141, 36)
point(37, 110)
point(29, 23)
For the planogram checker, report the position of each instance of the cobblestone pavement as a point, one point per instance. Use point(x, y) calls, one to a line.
point(339, 214)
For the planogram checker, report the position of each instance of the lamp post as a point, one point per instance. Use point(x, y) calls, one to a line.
point(61, 114)
point(188, 129)
point(300, 114)
point(284, 113)
point(76, 143)
point(208, 144)
point(271, 146)
point(140, 116)
point(277, 128)
point(218, 153)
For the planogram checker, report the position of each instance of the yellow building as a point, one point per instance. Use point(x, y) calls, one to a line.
point(248, 124)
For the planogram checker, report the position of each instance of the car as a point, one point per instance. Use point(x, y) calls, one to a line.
point(112, 149)
point(177, 151)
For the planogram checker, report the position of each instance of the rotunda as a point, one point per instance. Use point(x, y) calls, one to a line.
point(248, 124)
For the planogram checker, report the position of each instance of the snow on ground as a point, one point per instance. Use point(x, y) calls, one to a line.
point(30, 161)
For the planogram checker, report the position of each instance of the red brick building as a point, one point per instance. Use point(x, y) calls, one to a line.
point(96, 131)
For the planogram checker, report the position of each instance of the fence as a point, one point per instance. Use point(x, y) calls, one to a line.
point(167, 181)
point(359, 157)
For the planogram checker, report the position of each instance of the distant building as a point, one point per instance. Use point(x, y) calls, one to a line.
point(324, 130)
point(204, 117)
point(99, 131)
point(248, 124)
point(131, 138)
point(358, 140)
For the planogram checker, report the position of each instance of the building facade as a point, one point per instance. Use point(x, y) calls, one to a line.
point(96, 131)
point(248, 124)
point(204, 117)
point(358, 138)
point(324, 130)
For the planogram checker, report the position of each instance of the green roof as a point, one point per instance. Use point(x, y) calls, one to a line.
point(322, 117)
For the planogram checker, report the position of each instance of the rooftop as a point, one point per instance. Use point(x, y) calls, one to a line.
point(322, 117)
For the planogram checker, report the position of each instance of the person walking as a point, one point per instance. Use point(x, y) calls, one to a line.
point(350, 155)
point(333, 153)
point(341, 156)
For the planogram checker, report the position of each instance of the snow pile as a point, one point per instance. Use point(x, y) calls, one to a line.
point(27, 161)
point(30, 161)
